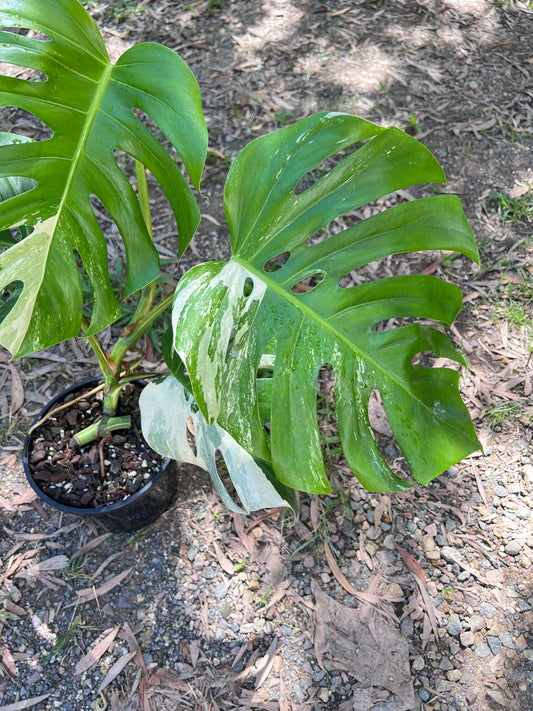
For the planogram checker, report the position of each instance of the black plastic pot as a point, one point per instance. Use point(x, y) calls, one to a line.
point(131, 514)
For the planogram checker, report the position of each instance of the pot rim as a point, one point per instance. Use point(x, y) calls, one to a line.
point(81, 510)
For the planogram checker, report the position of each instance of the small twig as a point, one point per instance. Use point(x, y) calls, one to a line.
point(479, 483)
point(65, 406)
point(108, 437)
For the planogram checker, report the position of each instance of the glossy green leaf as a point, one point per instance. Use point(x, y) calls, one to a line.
point(89, 105)
point(227, 314)
point(9, 187)
point(167, 408)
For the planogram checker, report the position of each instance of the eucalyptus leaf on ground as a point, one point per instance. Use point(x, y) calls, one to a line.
point(166, 410)
point(226, 314)
point(376, 655)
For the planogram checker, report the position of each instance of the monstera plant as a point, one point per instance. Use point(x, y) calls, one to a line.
point(247, 341)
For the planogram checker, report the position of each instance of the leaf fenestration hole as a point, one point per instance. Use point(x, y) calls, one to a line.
point(351, 279)
point(8, 297)
point(428, 359)
point(384, 437)
point(248, 287)
point(10, 236)
point(126, 164)
point(86, 286)
point(23, 73)
point(24, 124)
point(191, 438)
point(393, 323)
point(310, 282)
point(116, 253)
point(276, 263)
point(231, 352)
point(151, 126)
point(328, 164)
point(264, 382)
point(313, 176)
point(224, 474)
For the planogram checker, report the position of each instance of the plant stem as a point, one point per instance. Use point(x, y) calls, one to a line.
point(111, 363)
point(102, 427)
point(142, 318)
point(128, 341)
point(101, 355)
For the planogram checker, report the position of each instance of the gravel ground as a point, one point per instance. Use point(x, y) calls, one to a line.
point(229, 604)
point(365, 601)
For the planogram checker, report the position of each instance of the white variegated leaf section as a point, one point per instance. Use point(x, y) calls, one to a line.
point(212, 319)
point(165, 409)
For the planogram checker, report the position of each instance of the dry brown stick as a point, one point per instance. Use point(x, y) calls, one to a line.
point(107, 438)
point(65, 406)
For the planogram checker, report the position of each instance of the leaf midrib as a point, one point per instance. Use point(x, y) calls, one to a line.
point(91, 115)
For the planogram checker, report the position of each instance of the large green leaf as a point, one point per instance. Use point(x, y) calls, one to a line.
point(227, 314)
point(88, 103)
point(167, 408)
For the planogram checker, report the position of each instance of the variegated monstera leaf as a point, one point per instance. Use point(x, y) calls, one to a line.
point(89, 105)
point(170, 416)
point(227, 315)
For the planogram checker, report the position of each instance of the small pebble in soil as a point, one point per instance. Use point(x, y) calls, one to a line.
point(418, 663)
point(445, 664)
point(523, 512)
point(514, 546)
point(497, 697)
point(482, 650)
point(487, 610)
point(454, 625)
point(494, 645)
point(424, 694)
point(507, 640)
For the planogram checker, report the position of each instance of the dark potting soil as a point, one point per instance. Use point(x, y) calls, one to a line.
point(74, 476)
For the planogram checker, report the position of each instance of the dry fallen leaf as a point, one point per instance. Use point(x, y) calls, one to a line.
point(96, 651)
point(223, 560)
point(204, 615)
point(271, 565)
point(247, 540)
point(26, 704)
point(88, 594)
point(127, 634)
point(377, 415)
point(420, 577)
point(277, 593)
point(17, 390)
point(6, 658)
point(263, 666)
point(314, 513)
point(7, 505)
point(519, 189)
point(194, 649)
point(115, 670)
point(378, 659)
point(9, 460)
point(39, 536)
point(168, 678)
point(364, 700)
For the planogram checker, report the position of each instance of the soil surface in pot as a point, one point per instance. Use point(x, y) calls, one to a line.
point(100, 473)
